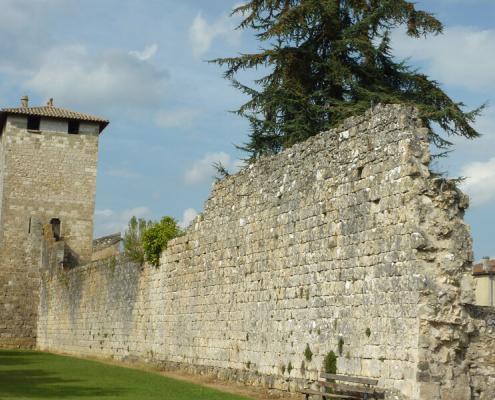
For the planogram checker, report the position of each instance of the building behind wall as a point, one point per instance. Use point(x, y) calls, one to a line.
point(48, 158)
point(484, 276)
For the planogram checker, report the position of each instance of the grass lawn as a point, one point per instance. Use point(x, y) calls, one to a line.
point(35, 375)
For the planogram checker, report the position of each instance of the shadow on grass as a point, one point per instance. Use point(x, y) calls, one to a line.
point(29, 382)
point(8, 357)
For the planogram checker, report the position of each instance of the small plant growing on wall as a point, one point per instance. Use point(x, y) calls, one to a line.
point(330, 363)
point(303, 368)
point(112, 263)
point(289, 367)
point(341, 345)
point(308, 354)
point(330, 366)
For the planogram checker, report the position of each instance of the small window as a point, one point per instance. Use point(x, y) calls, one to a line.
point(73, 127)
point(33, 123)
point(55, 222)
point(29, 226)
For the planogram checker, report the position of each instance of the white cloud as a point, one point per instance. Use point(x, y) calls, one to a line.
point(148, 52)
point(202, 33)
point(177, 118)
point(203, 170)
point(138, 212)
point(480, 181)
point(187, 217)
point(462, 56)
point(108, 221)
point(26, 29)
point(73, 76)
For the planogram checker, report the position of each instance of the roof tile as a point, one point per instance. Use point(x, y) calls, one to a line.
point(55, 112)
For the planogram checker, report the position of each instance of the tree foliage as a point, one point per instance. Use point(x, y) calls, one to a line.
point(331, 59)
point(145, 240)
point(222, 171)
point(133, 245)
point(156, 237)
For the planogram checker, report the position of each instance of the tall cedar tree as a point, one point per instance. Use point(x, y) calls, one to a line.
point(331, 59)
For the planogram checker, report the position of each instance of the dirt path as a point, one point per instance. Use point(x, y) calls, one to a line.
point(251, 392)
point(229, 387)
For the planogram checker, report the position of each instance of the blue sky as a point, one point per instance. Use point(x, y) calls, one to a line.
point(140, 63)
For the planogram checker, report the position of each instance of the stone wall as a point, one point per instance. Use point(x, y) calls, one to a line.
point(343, 243)
point(43, 175)
point(481, 352)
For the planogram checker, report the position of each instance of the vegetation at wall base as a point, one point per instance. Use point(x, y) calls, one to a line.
point(332, 59)
point(330, 363)
point(35, 375)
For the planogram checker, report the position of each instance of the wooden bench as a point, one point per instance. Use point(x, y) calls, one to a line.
point(353, 388)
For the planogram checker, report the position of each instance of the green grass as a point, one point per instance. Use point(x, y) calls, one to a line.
point(35, 375)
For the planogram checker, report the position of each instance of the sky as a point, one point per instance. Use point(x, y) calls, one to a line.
point(142, 64)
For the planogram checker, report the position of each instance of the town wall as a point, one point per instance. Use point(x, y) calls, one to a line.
point(43, 175)
point(344, 243)
point(481, 352)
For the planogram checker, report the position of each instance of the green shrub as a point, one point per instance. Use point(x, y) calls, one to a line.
point(156, 237)
point(330, 363)
point(330, 366)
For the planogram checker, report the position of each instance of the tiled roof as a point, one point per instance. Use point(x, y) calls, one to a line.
point(479, 270)
point(55, 112)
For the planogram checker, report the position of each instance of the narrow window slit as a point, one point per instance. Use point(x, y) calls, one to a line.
point(55, 222)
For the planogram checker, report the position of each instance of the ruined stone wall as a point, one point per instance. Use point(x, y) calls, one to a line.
point(45, 175)
point(343, 243)
point(481, 352)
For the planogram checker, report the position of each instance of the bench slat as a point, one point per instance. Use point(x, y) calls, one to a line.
point(351, 388)
point(329, 395)
point(364, 381)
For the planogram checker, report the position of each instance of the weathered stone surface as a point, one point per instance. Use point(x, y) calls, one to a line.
point(481, 352)
point(344, 243)
point(43, 175)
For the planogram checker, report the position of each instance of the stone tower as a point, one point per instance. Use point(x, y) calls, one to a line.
point(48, 158)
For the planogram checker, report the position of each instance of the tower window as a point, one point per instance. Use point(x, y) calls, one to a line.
point(33, 123)
point(73, 127)
point(55, 222)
